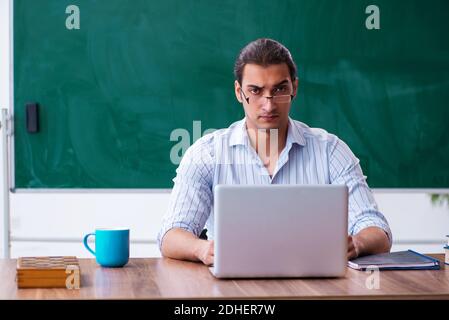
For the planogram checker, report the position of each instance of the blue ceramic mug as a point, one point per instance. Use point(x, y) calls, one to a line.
point(111, 247)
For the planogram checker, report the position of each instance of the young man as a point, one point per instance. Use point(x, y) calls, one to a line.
point(266, 147)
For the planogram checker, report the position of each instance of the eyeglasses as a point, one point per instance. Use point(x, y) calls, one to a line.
point(276, 99)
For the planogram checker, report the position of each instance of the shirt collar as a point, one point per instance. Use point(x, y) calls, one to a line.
point(295, 133)
point(239, 135)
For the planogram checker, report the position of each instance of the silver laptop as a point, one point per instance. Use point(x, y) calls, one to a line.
point(280, 231)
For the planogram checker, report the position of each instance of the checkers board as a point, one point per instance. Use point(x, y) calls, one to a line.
point(47, 272)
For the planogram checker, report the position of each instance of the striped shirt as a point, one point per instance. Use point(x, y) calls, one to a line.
point(310, 156)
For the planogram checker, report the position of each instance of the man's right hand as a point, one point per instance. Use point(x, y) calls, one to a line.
point(184, 245)
point(205, 252)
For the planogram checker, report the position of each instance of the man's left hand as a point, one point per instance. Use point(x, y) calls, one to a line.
point(371, 240)
point(353, 250)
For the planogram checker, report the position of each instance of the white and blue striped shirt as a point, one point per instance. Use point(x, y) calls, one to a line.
point(310, 156)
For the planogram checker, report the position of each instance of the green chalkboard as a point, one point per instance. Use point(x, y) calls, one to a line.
point(135, 73)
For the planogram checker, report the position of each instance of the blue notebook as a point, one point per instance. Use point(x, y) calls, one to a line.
point(401, 260)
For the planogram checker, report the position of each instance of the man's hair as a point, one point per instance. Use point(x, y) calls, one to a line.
point(263, 52)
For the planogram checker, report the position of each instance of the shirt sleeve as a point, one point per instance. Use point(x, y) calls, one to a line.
point(191, 197)
point(345, 168)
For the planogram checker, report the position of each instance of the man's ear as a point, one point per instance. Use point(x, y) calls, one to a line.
point(237, 89)
point(295, 86)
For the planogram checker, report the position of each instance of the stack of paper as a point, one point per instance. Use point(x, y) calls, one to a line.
point(446, 249)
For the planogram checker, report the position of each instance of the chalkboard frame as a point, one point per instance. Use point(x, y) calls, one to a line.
point(11, 152)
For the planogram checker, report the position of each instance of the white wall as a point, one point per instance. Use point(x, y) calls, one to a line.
point(52, 216)
point(54, 223)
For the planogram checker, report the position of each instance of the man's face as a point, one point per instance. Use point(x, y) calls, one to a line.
point(259, 82)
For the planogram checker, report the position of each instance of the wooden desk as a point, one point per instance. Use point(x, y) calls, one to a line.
point(157, 278)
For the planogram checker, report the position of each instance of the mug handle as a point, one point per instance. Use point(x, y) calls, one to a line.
point(85, 242)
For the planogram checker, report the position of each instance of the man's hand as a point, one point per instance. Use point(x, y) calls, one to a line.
point(371, 240)
point(205, 252)
point(353, 250)
point(184, 245)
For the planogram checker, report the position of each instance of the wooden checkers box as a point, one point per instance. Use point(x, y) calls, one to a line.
point(48, 272)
